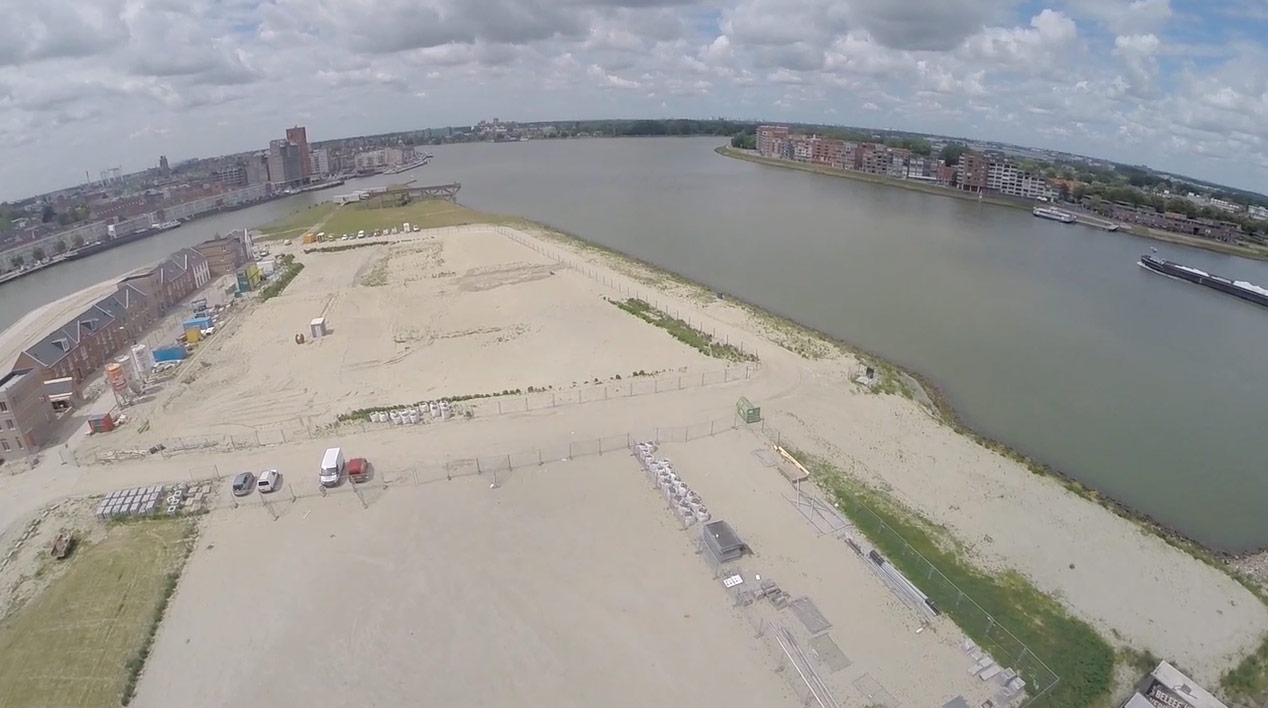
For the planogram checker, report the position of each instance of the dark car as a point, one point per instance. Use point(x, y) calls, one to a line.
point(243, 484)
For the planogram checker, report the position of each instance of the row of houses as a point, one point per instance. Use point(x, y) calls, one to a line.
point(1224, 231)
point(49, 372)
point(975, 171)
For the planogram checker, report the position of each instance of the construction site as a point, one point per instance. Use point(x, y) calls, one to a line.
point(653, 534)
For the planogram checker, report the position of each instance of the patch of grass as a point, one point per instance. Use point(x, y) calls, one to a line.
point(363, 414)
point(344, 247)
point(297, 223)
point(290, 268)
point(427, 213)
point(1248, 681)
point(83, 641)
point(1079, 656)
point(1142, 662)
point(702, 342)
point(377, 277)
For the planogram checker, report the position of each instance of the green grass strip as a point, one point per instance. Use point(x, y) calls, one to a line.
point(1020, 626)
point(702, 342)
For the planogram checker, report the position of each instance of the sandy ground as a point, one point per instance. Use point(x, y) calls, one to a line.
point(466, 312)
point(556, 590)
point(1134, 588)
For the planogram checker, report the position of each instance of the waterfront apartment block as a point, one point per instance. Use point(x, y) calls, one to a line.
point(977, 172)
point(26, 416)
point(1005, 178)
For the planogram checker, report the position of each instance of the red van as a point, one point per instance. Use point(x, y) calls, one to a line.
point(359, 469)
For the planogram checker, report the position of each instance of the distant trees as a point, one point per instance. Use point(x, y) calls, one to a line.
point(17, 261)
point(744, 141)
point(47, 214)
point(60, 246)
point(951, 153)
point(78, 241)
point(38, 253)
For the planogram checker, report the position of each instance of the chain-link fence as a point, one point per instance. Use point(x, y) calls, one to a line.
point(495, 465)
point(1002, 645)
point(495, 468)
point(300, 429)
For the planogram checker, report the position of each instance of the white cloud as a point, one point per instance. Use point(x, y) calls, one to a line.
point(84, 85)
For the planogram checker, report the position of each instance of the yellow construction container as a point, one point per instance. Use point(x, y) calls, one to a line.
point(310, 237)
point(193, 335)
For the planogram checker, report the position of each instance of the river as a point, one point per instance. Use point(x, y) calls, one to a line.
point(1046, 336)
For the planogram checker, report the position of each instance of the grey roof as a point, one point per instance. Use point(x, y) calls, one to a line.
point(170, 270)
point(12, 378)
point(189, 257)
point(48, 351)
point(65, 339)
point(130, 296)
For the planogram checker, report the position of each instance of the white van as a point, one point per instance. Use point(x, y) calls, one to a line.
point(331, 467)
point(269, 481)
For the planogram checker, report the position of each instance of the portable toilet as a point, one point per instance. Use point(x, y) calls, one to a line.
point(317, 327)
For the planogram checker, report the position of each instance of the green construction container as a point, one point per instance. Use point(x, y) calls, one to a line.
point(748, 412)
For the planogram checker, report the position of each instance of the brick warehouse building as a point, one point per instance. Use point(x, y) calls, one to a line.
point(26, 416)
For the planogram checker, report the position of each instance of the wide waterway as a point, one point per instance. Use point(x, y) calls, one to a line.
point(1045, 336)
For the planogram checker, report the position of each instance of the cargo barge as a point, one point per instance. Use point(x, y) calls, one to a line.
point(1237, 288)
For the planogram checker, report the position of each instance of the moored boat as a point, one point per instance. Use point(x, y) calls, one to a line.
point(1047, 212)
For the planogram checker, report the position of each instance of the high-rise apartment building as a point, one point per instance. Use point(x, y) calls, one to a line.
point(320, 162)
point(298, 136)
point(285, 164)
point(257, 168)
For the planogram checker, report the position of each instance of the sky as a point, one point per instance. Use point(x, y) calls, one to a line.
point(1179, 85)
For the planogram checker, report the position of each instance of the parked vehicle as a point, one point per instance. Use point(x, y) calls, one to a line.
point(243, 484)
point(359, 470)
point(332, 467)
point(270, 481)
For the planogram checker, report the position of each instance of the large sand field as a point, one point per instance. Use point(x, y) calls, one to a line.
point(453, 314)
point(568, 587)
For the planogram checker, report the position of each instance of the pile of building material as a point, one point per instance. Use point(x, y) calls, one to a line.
point(155, 499)
point(985, 668)
point(435, 410)
point(683, 501)
point(904, 588)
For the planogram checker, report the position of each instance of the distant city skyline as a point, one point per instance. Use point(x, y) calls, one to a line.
point(1172, 84)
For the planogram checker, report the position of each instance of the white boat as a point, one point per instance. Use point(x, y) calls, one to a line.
point(165, 225)
point(1047, 212)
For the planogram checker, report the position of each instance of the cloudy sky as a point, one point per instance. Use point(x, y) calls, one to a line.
point(88, 84)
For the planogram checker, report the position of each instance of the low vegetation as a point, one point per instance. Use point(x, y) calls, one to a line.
point(290, 268)
point(363, 414)
point(427, 213)
point(295, 224)
point(1068, 647)
point(83, 641)
point(702, 342)
point(377, 277)
point(1248, 681)
point(343, 247)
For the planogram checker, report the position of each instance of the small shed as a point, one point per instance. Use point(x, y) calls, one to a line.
point(198, 323)
point(723, 542)
point(317, 328)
